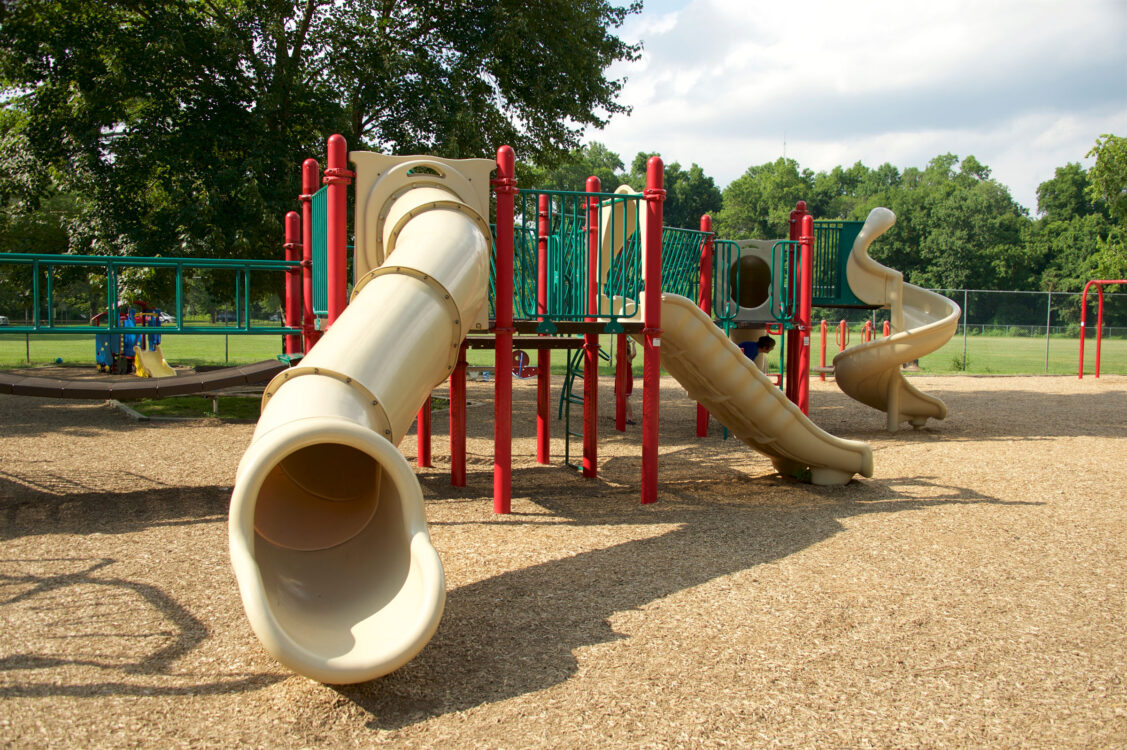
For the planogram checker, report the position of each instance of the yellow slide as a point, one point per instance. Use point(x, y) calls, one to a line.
point(717, 374)
point(151, 364)
point(922, 322)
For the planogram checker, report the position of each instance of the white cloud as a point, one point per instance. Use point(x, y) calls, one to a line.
point(1024, 86)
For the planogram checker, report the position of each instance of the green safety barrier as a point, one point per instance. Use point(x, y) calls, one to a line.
point(320, 232)
point(833, 241)
point(45, 265)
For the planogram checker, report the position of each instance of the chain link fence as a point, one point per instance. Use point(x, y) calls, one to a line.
point(1006, 332)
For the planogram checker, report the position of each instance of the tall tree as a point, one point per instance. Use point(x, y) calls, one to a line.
point(179, 125)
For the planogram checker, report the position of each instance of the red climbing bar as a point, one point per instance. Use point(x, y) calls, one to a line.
point(651, 316)
point(505, 187)
point(621, 365)
point(591, 340)
point(706, 249)
point(310, 176)
point(543, 356)
point(337, 177)
point(293, 281)
point(1099, 284)
point(458, 421)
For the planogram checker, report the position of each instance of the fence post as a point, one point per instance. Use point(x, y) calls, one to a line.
point(1048, 328)
point(965, 330)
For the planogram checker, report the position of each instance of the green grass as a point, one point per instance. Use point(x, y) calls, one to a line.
point(199, 407)
point(985, 354)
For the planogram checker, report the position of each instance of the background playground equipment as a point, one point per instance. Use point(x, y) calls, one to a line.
point(1099, 284)
point(117, 353)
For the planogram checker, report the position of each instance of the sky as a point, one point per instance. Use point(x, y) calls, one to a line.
point(1024, 86)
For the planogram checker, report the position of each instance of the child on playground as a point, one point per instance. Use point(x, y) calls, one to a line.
point(752, 349)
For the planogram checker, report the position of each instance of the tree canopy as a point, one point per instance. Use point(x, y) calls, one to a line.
point(178, 126)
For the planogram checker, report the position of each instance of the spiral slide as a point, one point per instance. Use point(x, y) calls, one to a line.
point(327, 531)
point(922, 322)
point(717, 374)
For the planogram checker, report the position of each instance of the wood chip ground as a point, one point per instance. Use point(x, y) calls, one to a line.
point(973, 593)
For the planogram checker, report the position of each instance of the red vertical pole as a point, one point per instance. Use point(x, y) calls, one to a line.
point(794, 336)
point(621, 363)
point(1099, 325)
point(310, 176)
point(458, 421)
point(822, 356)
point(337, 177)
point(706, 249)
point(886, 329)
point(651, 315)
point(543, 356)
point(867, 331)
point(805, 300)
point(505, 187)
point(1083, 324)
point(591, 340)
point(293, 281)
point(423, 434)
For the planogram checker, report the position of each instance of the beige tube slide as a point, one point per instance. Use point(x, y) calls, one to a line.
point(327, 531)
point(717, 374)
point(922, 322)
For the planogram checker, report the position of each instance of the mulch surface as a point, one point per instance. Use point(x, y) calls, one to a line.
point(972, 593)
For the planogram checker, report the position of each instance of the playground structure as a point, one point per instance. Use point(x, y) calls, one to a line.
point(132, 352)
point(327, 529)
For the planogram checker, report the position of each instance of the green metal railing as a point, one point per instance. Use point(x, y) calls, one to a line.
point(320, 232)
point(833, 241)
point(42, 268)
point(680, 261)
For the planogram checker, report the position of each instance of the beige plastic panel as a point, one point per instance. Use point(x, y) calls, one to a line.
point(717, 374)
point(922, 322)
point(328, 535)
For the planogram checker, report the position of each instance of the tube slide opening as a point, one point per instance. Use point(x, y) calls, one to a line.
point(318, 497)
point(754, 281)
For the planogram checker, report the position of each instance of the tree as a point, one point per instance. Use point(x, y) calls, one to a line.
point(689, 194)
point(1066, 195)
point(758, 203)
point(179, 126)
point(1109, 185)
point(592, 159)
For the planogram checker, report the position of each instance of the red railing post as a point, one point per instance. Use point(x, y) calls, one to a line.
point(293, 281)
point(1099, 325)
point(543, 356)
point(651, 315)
point(458, 421)
point(505, 187)
point(705, 296)
point(842, 335)
point(822, 356)
point(867, 331)
point(805, 300)
point(310, 176)
point(591, 340)
point(886, 329)
point(337, 177)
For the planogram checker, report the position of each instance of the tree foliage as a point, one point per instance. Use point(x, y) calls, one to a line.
point(178, 126)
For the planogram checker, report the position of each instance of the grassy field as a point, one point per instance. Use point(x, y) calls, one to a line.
point(985, 354)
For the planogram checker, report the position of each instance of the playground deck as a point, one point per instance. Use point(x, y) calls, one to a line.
point(970, 594)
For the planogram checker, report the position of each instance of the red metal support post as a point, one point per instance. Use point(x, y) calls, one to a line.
point(805, 300)
point(591, 340)
point(651, 316)
point(822, 356)
point(543, 356)
point(1099, 284)
point(458, 421)
point(423, 433)
point(293, 281)
point(886, 329)
point(310, 176)
point(794, 335)
point(621, 365)
point(505, 187)
point(706, 250)
point(337, 177)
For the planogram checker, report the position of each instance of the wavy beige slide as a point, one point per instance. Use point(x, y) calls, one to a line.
point(327, 530)
point(922, 322)
point(717, 374)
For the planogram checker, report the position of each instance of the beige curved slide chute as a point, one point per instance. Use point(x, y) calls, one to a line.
point(717, 374)
point(327, 531)
point(922, 322)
